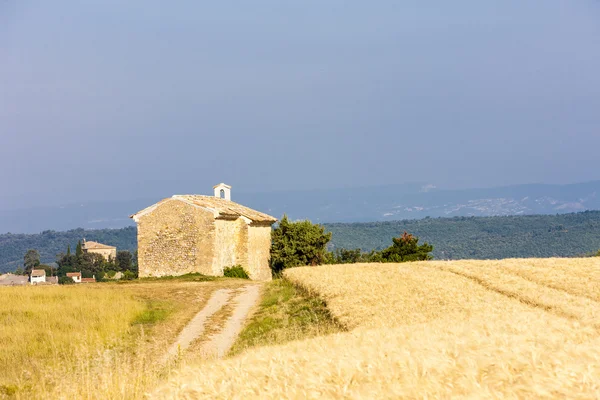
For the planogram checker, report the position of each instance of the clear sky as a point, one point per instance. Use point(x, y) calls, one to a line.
point(107, 99)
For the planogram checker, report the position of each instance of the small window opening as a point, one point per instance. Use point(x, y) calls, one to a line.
point(222, 193)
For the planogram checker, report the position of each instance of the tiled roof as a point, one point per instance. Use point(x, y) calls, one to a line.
point(89, 245)
point(88, 280)
point(38, 272)
point(72, 274)
point(222, 207)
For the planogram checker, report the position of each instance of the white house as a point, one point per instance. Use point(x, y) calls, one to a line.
point(76, 276)
point(37, 276)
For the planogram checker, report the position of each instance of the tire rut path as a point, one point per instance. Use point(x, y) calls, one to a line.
point(218, 344)
point(195, 327)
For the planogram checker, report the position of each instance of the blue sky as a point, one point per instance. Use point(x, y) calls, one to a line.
point(119, 100)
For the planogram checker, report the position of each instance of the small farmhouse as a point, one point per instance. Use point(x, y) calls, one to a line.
point(76, 276)
point(37, 276)
point(99, 248)
point(194, 233)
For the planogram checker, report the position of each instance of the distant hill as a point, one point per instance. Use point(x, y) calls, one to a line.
point(563, 235)
point(51, 243)
point(361, 204)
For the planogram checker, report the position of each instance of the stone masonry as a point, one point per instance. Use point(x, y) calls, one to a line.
point(192, 233)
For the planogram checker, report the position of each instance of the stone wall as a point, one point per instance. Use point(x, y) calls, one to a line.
point(106, 253)
point(175, 239)
point(231, 244)
point(259, 245)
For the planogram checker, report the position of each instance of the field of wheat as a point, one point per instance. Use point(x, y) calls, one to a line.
point(45, 329)
point(93, 341)
point(464, 329)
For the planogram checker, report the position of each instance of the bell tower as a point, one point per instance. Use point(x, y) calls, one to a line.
point(222, 191)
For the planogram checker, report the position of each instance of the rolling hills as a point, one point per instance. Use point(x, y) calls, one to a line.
point(563, 235)
point(50, 243)
point(355, 204)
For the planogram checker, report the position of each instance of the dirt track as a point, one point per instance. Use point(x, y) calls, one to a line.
point(218, 344)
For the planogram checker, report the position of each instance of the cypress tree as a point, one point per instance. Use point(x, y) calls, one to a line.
point(78, 250)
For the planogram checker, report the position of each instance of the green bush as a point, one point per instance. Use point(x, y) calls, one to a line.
point(235, 272)
point(128, 275)
point(406, 248)
point(64, 280)
point(298, 243)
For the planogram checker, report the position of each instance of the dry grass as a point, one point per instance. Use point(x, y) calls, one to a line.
point(285, 314)
point(46, 328)
point(95, 341)
point(427, 330)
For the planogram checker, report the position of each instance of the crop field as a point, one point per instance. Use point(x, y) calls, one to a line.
point(44, 328)
point(93, 341)
point(465, 329)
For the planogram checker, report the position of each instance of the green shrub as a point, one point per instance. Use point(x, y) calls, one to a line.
point(298, 243)
point(100, 276)
point(406, 248)
point(128, 275)
point(235, 272)
point(65, 280)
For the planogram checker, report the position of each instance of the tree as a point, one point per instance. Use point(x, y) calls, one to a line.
point(63, 280)
point(124, 260)
point(31, 260)
point(406, 248)
point(50, 271)
point(134, 264)
point(91, 263)
point(78, 250)
point(345, 256)
point(297, 243)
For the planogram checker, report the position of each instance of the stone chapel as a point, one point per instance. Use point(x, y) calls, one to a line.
point(194, 233)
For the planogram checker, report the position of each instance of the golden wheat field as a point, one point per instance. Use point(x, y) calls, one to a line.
point(94, 341)
point(45, 331)
point(516, 329)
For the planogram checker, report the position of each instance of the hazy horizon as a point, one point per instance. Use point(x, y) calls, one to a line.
point(110, 101)
point(208, 191)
